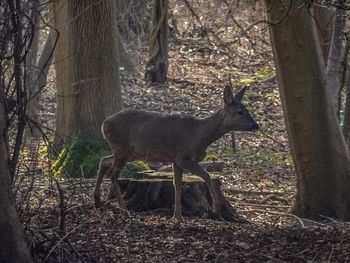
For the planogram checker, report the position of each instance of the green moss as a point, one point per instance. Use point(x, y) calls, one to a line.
point(132, 168)
point(266, 72)
point(82, 158)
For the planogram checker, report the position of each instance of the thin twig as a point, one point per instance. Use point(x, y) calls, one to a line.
point(64, 237)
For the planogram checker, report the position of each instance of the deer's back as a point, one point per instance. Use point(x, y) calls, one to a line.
point(150, 135)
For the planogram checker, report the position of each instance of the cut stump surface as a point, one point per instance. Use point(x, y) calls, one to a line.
point(151, 191)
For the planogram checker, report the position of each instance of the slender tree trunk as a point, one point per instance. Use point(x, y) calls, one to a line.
point(87, 67)
point(42, 67)
point(13, 247)
point(346, 85)
point(324, 19)
point(335, 57)
point(320, 155)
point(157, 66)
point(123, 56)
point(62, 60)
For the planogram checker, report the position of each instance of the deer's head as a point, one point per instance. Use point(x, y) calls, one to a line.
point(236, 115)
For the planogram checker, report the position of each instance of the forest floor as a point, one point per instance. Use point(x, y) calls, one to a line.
point(258, 180)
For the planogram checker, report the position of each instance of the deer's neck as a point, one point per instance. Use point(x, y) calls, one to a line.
point(211, 128)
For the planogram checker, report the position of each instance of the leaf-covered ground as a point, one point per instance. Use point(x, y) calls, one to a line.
point(258, 180)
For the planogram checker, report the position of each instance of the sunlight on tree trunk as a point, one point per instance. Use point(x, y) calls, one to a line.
point(335, 57)
point(87, 67)
point(62, 60)
point(319, 151)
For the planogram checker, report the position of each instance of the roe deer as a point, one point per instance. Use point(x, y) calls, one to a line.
point(179, 139)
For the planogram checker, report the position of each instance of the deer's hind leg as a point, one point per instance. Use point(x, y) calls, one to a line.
point(105, 164)
point(115, 191)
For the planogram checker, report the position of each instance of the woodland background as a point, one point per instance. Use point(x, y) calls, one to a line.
point(66, 65)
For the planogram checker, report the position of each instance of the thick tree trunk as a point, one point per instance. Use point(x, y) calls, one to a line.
point(157, 66)
point(319, 151)
point(97, 92)
point(335, 57)
point(87, 71)
point(13, 247)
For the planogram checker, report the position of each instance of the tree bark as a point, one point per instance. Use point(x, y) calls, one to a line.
point(13, 247)
point(63, 55)
point(157, 66)
point(320, 155)
point(123, 56)
point(324, 19)
point(335, 57)
point(346, 85)
point(42, 67)
point(88, 80)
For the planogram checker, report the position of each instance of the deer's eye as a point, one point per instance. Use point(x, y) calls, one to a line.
point(240, 112)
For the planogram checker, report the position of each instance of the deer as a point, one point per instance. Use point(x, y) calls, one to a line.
point(172, 138)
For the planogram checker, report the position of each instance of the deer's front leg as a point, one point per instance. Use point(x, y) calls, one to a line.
point(177, 181)
point(196, 169)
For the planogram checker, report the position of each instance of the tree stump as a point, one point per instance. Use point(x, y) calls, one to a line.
point(150, 191)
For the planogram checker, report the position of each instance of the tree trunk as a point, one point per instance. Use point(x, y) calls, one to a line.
point(13, 247)
point(30, 74)
point(123, 56)
point(335, 57)
point(346, 85)
point(320, 155)
point(157, 66)
point(40, 78)
point(63, 55)
point(88, 71)
point(324, 18)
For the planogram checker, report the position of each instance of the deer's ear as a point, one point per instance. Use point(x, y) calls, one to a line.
point(239, 96)
point(228, 96)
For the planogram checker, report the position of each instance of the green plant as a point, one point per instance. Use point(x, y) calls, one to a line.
point(82, 158)
point(132, 168)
